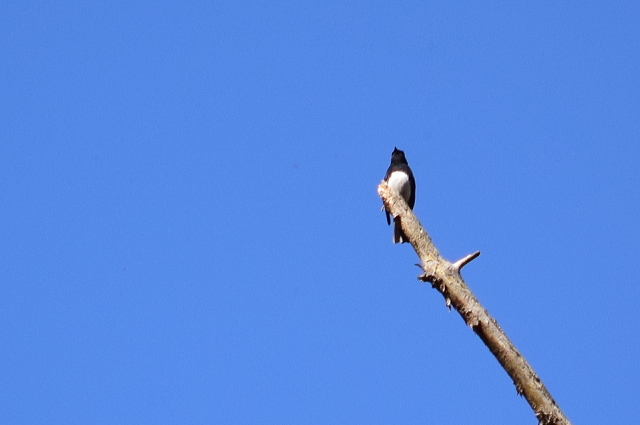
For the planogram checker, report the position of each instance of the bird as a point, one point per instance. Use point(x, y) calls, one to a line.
point(400, 177)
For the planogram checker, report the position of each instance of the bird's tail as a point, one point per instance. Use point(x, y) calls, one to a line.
point(398, 234)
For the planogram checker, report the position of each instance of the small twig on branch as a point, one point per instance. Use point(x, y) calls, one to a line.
point(445, 278)
point(466, 260)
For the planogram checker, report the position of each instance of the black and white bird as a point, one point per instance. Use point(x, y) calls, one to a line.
point(400, 177)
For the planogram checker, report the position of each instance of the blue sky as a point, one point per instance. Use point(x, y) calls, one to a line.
point(190, 230)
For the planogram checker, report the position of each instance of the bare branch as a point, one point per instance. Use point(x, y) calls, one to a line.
point(445, 278)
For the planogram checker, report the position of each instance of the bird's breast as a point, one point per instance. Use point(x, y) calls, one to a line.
point(399, 180)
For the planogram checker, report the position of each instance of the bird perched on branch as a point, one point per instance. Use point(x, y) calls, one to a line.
point(400, 177)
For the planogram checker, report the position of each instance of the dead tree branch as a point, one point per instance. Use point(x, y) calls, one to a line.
point(445, 278)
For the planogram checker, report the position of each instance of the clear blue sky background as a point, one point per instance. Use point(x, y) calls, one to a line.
point(190, 231)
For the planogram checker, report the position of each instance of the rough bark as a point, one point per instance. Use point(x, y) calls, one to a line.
point(445, 278)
